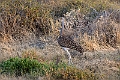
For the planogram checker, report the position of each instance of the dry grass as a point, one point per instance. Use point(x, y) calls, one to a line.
point(32, 54)
point(94, 27)
point(19, 18)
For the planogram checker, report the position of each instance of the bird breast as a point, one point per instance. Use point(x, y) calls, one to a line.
point(68, 42)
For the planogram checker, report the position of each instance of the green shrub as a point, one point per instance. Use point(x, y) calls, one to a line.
point(25, 66)
point(21, 66)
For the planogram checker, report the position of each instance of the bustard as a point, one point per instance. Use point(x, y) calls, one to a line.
point(66, 40)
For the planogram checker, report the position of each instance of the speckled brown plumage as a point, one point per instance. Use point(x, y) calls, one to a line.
point(68, 42)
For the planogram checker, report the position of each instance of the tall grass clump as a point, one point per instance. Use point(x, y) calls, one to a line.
point(20, 17)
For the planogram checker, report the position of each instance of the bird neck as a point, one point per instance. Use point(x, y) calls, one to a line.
point(63, 27)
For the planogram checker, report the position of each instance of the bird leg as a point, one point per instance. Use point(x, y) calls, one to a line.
point(70, 58)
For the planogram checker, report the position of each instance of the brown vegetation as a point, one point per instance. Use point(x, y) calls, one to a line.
point(23, 20)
